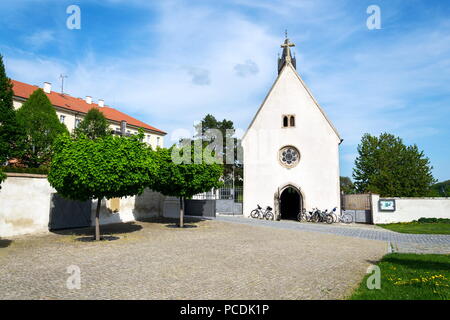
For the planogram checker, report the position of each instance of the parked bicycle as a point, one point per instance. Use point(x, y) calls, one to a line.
point(345, 218)
point(305, 215)
point(316, 215)
point(259, 213)
point(334, 215)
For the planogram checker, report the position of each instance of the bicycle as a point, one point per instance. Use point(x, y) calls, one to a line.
point(259, 213)
point(324, 216)
point(334, 215)
point(345, 218)
point(317, 216)
point(305, 216)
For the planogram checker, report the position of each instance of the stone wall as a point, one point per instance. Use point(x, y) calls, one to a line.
point(25, 202)
point(409, 209)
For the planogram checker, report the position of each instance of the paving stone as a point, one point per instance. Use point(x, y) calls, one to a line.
point(213, 260)
point(353, 230)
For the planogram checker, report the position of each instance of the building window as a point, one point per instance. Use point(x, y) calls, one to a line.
point(288, 120)
point(62, 118)
point(289, 156)
point(157, 141)
point(77, 122)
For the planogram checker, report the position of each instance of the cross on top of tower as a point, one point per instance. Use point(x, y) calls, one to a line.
point(286, 57)
point(286, 48)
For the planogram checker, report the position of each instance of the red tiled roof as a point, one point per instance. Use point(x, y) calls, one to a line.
point(24, 90)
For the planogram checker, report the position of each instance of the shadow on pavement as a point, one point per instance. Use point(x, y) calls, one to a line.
point(5, 243)
point(102, 238)
point(176, 226)
point(116, 228)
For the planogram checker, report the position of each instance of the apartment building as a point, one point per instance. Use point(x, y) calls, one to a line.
point(71, 111)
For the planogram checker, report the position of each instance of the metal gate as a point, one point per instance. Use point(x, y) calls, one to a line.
point(358, 205)
point(228, 200)
point(65, 214)
point(202, 208)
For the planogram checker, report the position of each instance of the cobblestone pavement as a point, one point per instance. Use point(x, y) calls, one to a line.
point(408, 247)
point(400, 242)
point(210, 260)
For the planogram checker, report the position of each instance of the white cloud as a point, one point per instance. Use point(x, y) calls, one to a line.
point(39, 39)
point(249, 67)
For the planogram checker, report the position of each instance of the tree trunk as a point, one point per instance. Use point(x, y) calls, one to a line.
point(97, 220)
point(181, 212)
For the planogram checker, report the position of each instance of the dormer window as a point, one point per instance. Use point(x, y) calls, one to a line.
point(288, 120)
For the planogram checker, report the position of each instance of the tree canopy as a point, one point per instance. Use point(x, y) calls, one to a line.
point(94, 125)
point(440, 189)
point(226, 147)
point(10, 130)
point(112, 166)
point(108, 167)
point(185, 179)
point(2, 178)
point(41, 126)
point(347, 185)
point(385, 165)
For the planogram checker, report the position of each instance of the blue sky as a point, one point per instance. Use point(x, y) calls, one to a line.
point(169, 63)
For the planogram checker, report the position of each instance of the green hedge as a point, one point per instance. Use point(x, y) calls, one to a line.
point(41, 170)
point(433, 220)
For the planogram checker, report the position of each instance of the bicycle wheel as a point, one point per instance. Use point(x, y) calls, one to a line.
point(300, 217)
point(269, 216)
point(329, 219)
point(315, 218)
point(347, 218)
point(254, 214)
point(335, 217)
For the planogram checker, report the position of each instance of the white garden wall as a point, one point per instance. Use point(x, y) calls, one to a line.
point(409, 209)
point(25, 206)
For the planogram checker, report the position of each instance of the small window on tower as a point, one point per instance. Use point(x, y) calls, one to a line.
point(285, 121)
point(292, 121)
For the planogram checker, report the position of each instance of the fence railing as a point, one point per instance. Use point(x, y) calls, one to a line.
point(225, 193)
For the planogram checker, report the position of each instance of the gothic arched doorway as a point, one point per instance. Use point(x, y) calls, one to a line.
point(290, 203)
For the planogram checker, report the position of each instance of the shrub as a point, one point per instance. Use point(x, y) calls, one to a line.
point(40, 170)
point(433, 220)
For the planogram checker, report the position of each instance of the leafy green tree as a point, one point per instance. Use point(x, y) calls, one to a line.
point(2, 177)
point(440, 189)
point(10, 130)
point(390, 168)
point(184, 180)
point(227, 147)
point(108, 167)
point(41, 125)
point(347, 185)
point(94, 125)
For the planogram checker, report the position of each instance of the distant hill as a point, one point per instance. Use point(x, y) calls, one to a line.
point(441, 189)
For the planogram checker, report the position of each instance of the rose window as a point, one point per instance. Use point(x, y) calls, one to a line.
point(289, 156)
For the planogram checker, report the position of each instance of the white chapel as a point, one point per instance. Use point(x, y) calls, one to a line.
point(291, 149)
